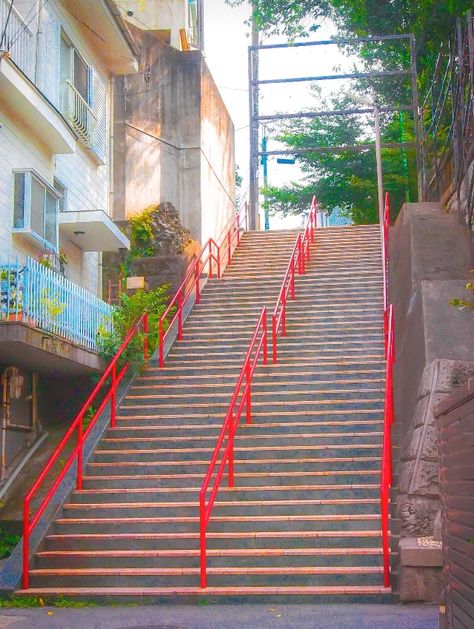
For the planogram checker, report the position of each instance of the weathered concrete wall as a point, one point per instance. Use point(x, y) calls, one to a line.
point(429, 266)
point(217, 167)
point(174, 140)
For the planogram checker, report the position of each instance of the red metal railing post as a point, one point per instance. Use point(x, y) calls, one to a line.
point(197, 277)
point(385, 538)
point(292, 279)
point(274, 335)
point(230, 438)
point(180, 316)
point(301, 269)
point(202, 537)
point(218, 262)
point(265, 337)
point(80, 432)
point(229, 247)
point(113, 397)
point(210, 260)
point(248, 402)
point(145, 337)
point(26, 544)
point(160, 342)
point(283, 315)
point(238, 230)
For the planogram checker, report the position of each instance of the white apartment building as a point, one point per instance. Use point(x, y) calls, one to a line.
point(57, 62)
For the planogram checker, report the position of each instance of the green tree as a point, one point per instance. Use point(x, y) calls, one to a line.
point(342, 179)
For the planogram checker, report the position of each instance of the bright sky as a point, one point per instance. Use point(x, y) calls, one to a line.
point(226, 43)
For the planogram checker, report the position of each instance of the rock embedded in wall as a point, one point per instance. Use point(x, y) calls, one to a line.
point(418, 501)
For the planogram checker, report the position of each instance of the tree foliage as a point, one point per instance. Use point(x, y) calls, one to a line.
point(347, 179)
point(343, 179)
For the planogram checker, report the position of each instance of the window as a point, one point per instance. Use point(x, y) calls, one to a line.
point(83, 99)
point(35, 208)
point(62, 191)
point(73, 69)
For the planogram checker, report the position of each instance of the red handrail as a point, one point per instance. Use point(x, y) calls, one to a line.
point(389, 343)
point(384, 228)
point(30, 522)
point(386, 477)
point(211, 253)
point(258, 344)
point(300, 255)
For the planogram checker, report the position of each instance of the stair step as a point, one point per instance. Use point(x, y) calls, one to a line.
point(195, 594)
point(303, 517)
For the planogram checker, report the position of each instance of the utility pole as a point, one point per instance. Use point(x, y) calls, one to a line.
point(378, 157)
point(265, 173)
point(253, 125)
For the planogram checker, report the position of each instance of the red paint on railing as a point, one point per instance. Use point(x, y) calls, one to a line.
point(258, 345)
point(386, 479)
point(300, 255)
point(389, 417)
point(211, 254)
point(384, 229)
point(115, 378)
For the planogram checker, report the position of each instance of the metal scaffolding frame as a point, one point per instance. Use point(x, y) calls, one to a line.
point(256, 119)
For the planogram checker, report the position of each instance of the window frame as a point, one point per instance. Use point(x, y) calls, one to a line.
point(62, 191)
point(75, 51)
point(29, 175)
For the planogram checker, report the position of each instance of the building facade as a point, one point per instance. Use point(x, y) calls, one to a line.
point(57, 63)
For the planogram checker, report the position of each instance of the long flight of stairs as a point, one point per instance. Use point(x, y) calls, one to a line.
point(304, 517)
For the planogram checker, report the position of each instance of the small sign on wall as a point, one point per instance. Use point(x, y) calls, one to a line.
point(136, 283)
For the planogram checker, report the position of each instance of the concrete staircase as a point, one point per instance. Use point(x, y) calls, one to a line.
point(303, 518)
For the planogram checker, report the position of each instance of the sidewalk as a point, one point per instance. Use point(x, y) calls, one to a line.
point(226, 616)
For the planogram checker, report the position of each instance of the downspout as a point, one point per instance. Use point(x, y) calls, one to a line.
point(39, 8)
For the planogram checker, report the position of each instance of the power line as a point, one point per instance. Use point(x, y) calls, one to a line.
point(26, 23)
point(10, 8)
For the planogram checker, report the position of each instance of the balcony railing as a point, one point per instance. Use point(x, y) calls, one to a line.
point(44, 299)
point(17, 38)
point(78, 113)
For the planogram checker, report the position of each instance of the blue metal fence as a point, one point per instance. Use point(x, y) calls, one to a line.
point(44, 299)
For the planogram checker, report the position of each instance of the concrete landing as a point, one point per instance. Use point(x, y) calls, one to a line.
point(229, 616)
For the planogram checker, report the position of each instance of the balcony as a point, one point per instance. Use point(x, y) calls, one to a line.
point(18, 40)
point(44, 300)
point(92, 230)
point(87, 121)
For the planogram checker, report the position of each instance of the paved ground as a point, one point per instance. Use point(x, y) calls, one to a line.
point(225, 616)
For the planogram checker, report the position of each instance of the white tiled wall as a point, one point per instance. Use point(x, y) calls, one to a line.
point(86, 182)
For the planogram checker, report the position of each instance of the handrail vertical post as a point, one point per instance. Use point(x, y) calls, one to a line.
point(145, 337)
point(160, 341)
point(238, 230)
point(292, 279)
point(218, 262)
point(80, 432)
point(265, 337)
point(230, 437)
point(198, 287)
point(113, 397)
point(180, 316)
point(202, 538)
point(248, 416)
point(26, 544)
point(210, 260)
point(283, 314)
point(229, 246)
point(274, 335)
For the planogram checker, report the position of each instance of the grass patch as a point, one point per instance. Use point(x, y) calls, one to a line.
point(23, 602)
point(8, 541)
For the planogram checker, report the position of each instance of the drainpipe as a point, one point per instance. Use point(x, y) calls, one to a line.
point(39, 8)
